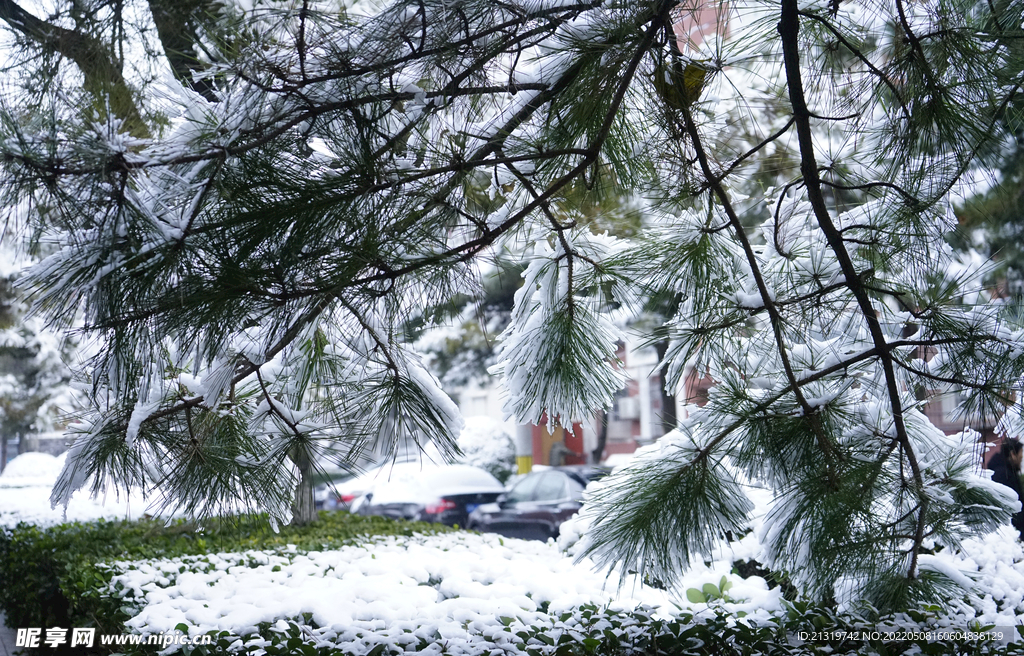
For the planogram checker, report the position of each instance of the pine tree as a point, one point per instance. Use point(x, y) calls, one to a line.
point(249, 241)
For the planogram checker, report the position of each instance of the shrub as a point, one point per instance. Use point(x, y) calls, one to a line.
point(590, 630)
point(486, 444)
point(54, 576)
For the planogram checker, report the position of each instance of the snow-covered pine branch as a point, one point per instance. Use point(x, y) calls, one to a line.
point(314, 176)
point(557, 357)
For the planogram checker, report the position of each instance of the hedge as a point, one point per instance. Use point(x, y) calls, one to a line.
point(590, 630)
point(51, 575)
point(55, 577)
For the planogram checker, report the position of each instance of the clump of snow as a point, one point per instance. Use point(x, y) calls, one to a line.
point(995, 562)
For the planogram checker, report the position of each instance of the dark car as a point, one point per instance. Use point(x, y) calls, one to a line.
point(537, 504)
point(430, 493)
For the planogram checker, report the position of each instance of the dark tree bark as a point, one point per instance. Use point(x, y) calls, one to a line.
point(668, 401)
point(176, 26)
point(602, 438)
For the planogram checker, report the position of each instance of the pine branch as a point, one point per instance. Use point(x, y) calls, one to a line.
point(963, 382)
point(753, 151)
point(874, 184)
point(863, 58)
point(552, 16)
point(248, 369)
point(767, 298)
point(789, 27)
point(381, 344)
point(915, 45)
point(272, 404)
point(559, 229)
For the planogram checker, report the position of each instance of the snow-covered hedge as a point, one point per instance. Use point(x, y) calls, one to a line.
point(333, 589)
point(449, 593)
point(386, 591)
point(53, 575)
point(464, 594)
point(591, 630)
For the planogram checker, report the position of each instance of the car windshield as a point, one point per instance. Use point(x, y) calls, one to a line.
point(575, 489)
point(551, 487)
point(523, 490)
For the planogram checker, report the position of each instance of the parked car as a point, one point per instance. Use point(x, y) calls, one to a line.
point(444, 494)
point(327, 494)
point(344, 489)
point(341, 494)
point(535, 507)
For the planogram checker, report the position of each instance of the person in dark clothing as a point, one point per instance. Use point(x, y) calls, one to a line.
point(1005, 467)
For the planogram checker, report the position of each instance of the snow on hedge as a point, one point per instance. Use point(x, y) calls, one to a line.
point(464, 589)
point(394, 590)
point(990, 565)
point(461, 587)
point(32, 469)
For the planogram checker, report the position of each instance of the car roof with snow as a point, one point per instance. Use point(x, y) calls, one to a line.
point(426, 482)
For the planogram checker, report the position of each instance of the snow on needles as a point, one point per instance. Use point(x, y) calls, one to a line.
point(557, 357)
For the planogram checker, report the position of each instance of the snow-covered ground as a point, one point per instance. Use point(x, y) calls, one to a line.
point(462, 587)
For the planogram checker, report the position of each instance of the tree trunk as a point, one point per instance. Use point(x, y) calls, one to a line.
point(175, 25)
point(99, 67)
point(668, 401)
point(602, 438)
point(303, 510)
